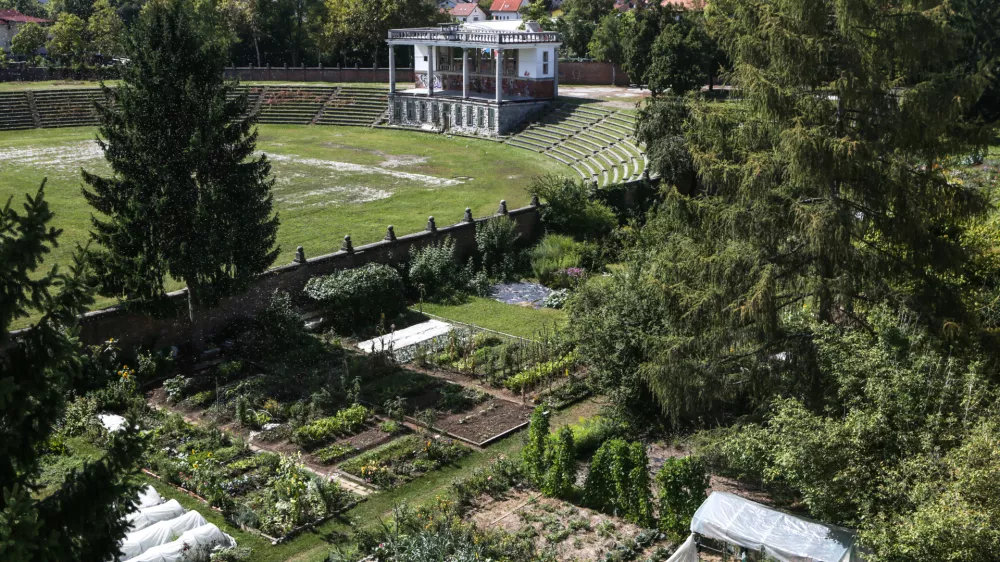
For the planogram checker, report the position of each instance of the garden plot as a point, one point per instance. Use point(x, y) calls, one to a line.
point(486, 422)
point(403, 460)
point(563, 529)
point(254, 491)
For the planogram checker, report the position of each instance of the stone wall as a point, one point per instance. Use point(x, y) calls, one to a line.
point(570, 74)
point(467, 117)
point(138, 329)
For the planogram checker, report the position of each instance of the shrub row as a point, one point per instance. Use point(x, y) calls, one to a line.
point(540, 372)
point(345, 422)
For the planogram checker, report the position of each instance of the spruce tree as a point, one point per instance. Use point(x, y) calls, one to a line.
point(84, 518)
point(188, 197)
point(822, 189)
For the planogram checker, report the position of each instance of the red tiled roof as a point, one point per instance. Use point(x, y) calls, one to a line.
point(505, 6)
point(686, 4)
point(463, 9)
point(13, 16)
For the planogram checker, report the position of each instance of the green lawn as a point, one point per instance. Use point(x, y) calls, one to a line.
point(494, 315)
point(330, 181)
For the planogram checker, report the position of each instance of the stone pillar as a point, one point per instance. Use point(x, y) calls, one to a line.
point(499, 70)
point(465, 73)
point(431, 55)
point(392, 69)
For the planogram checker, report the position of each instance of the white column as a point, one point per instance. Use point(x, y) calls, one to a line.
point(555, 72)
point(465, 73)
point(392, 69)
point(430, 70)
point(499, 62)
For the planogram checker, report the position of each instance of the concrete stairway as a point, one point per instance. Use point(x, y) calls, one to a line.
point(293, 105)
point(597, 142)
point(355, 106)
point(15, 112)
point(67, 108)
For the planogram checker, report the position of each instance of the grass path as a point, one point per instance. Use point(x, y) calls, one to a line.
point(494, 315)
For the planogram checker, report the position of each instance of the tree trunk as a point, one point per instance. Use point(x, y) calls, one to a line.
point(256, 47)
point(197, 330)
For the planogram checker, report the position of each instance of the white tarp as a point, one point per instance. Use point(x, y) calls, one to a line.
point(149, 497)
point(688, 552)
point(112, 422)
point(143, 518)
point(195, 544)
point(406, 337)
point(730, 518)
point(163, 532)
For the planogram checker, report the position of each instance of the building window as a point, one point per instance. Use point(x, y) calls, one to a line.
point(409, 110)
point(469, 117)
point(545, 69)
point(397, 110)
point(458, 114)
point(446, 113)
point(434, 113)
point(545, 56)
point(492, 118)
point(423, 112)
point(480, 124)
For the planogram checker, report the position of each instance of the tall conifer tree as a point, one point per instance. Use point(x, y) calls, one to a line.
point(188, 198)
point(84, 519)
point(823, 189)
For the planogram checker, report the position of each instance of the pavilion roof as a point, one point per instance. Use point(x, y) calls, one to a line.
point(13, 16)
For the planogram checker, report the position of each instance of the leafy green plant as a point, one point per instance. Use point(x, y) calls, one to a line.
point(556, 299)
point(435, 273)
point(175, 387)
point(345, 422)
point(560, 476)
point(682, 483)
point(496, 240)
point(534, 452)
point(555, 253)
point(359, 297)
point(618, 481)
point(335, 452)
point(569, 209)
point(540, 372)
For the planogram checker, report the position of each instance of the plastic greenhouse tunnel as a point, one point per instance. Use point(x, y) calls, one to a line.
point(744, 531)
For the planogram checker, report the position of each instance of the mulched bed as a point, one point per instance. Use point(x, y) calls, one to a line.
point(485, 421)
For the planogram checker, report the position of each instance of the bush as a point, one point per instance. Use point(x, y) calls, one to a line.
point(435, 273)
point(568, 208)
point(534, 452)
point(361, 296)
point(556, 299)
point(682, 484)
point(496, 240)
point(555, 253)
point(561, 474)
point(345, 422)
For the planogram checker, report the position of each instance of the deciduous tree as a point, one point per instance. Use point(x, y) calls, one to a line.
point(69, 40)
point(29, 39)
point(106, 29)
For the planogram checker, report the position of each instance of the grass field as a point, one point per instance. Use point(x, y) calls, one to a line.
point(330, 181)
point(494, 315)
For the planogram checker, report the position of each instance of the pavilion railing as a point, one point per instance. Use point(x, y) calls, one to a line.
point(492, 38)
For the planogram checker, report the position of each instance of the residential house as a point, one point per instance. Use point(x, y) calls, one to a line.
point(11, 22)
point(507, 10)
point(468, 12)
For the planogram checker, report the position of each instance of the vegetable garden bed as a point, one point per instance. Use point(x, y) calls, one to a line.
point(403, 460)
point(266, 492)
